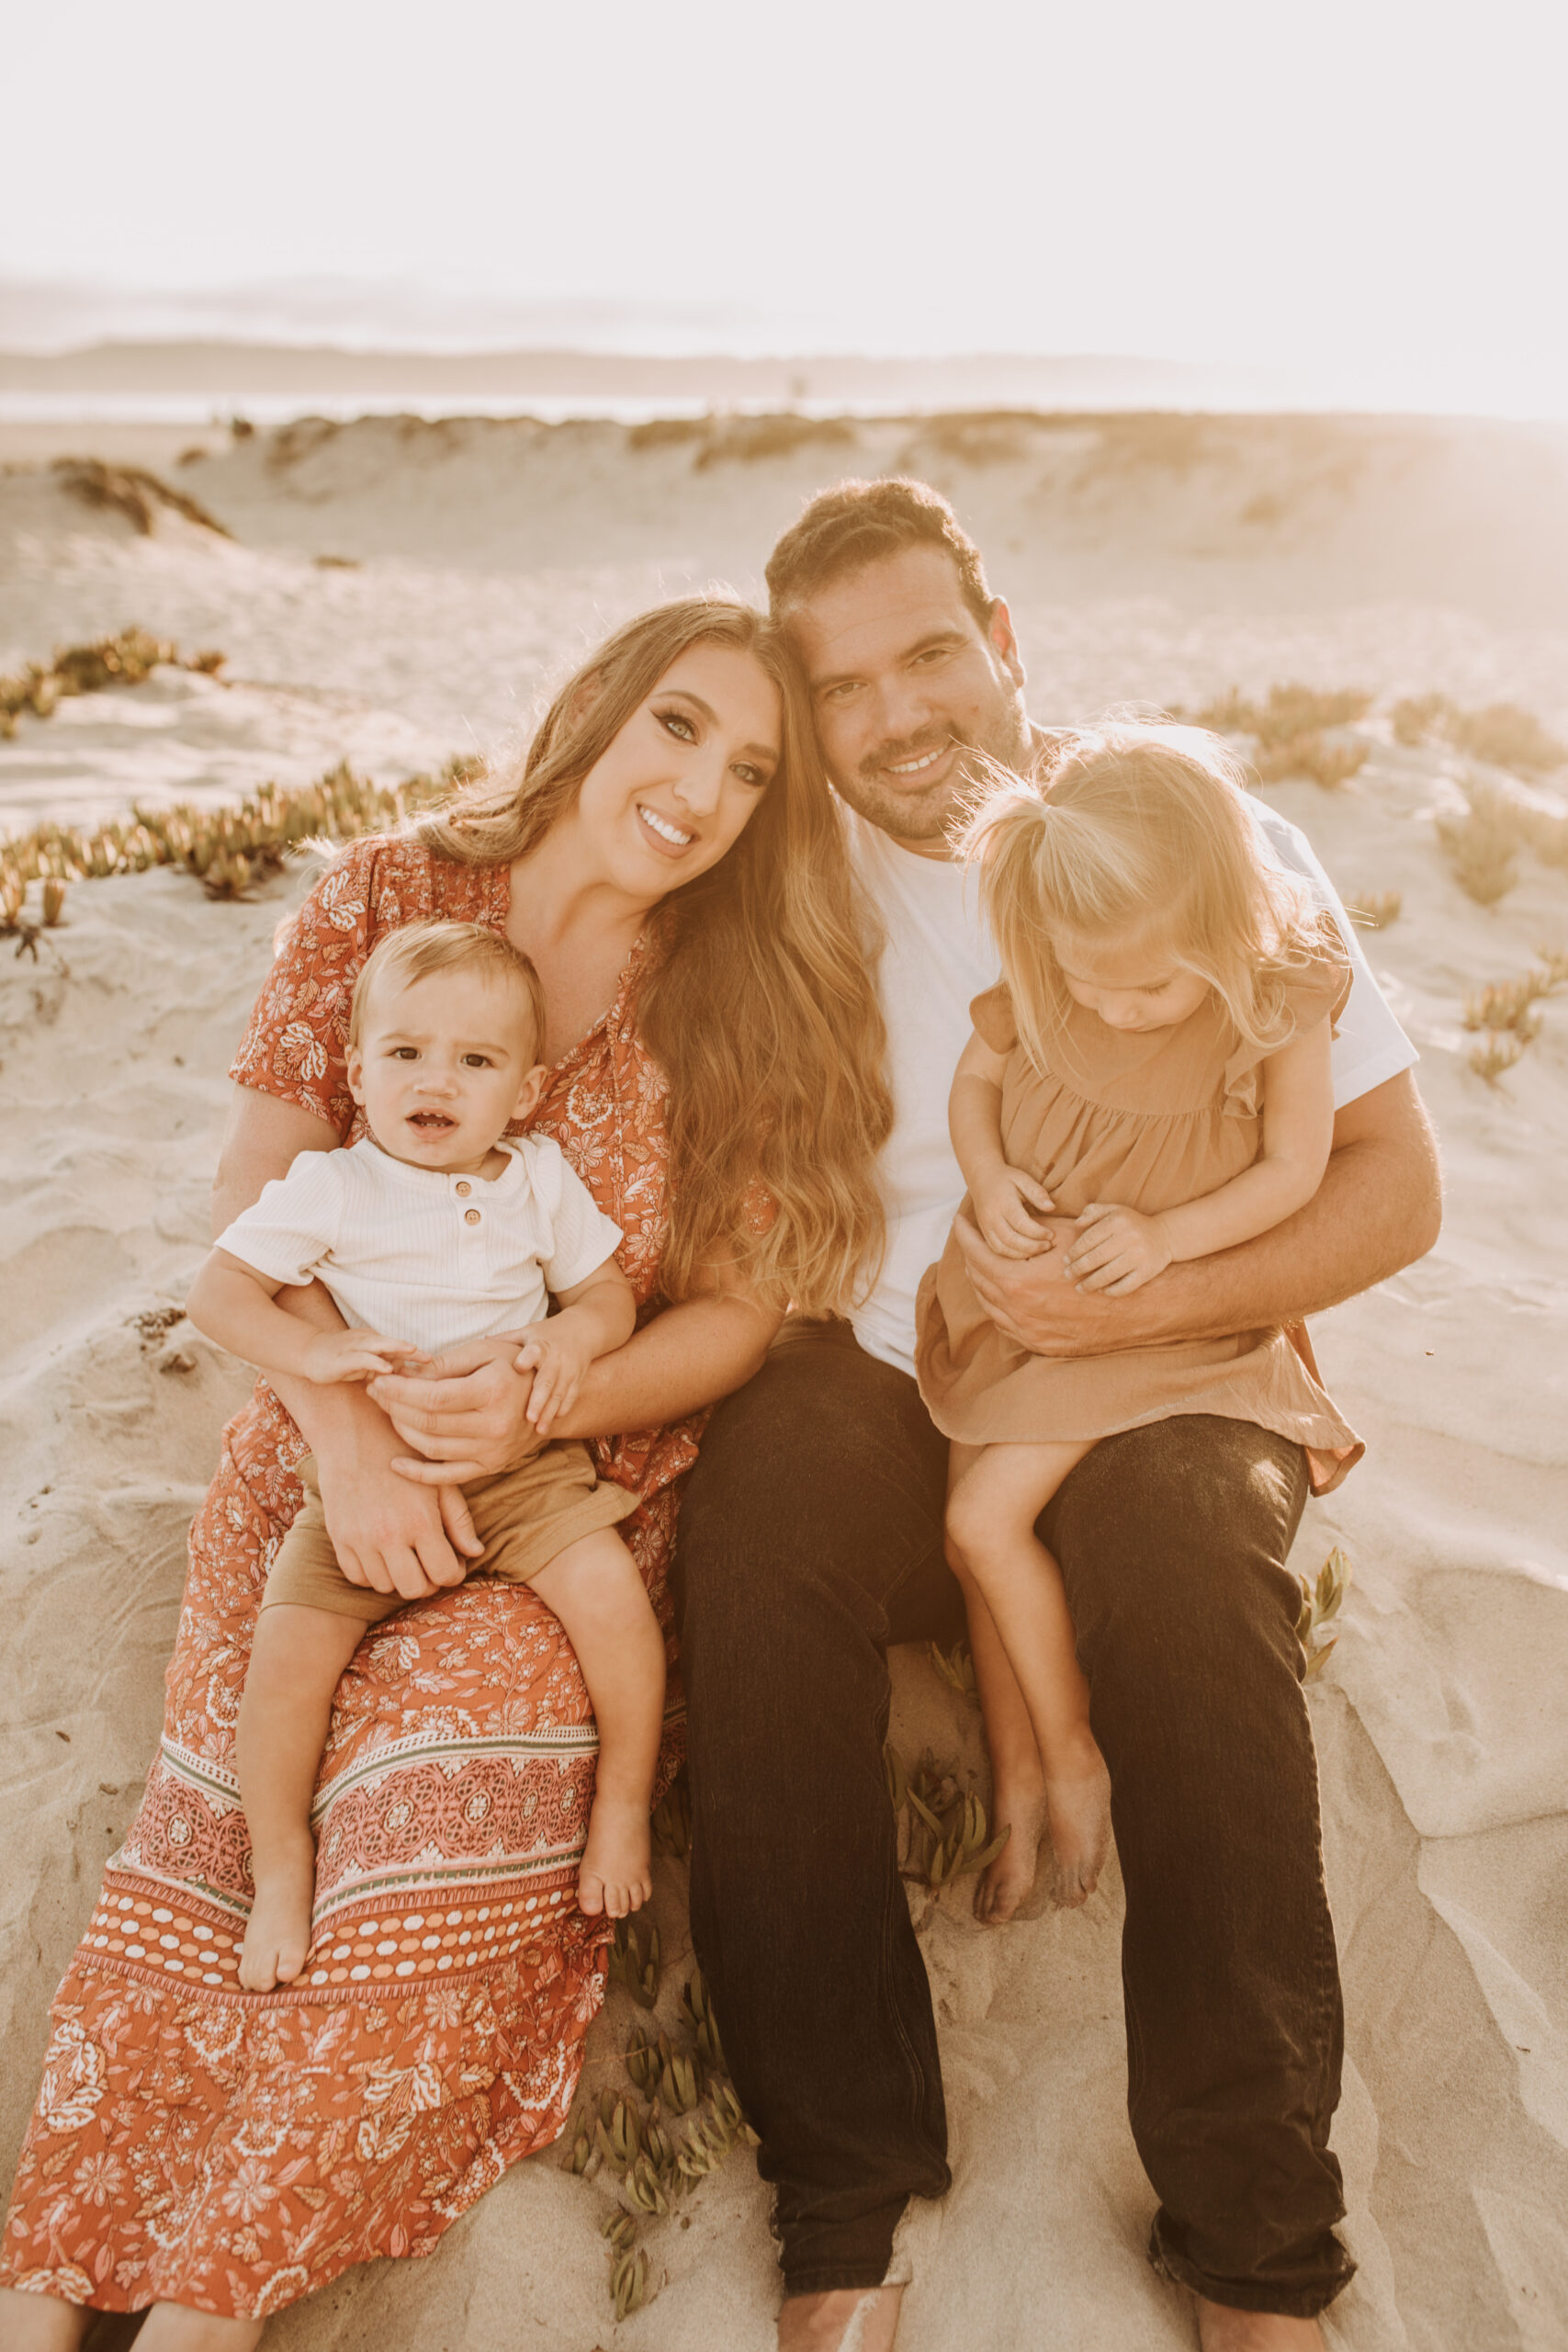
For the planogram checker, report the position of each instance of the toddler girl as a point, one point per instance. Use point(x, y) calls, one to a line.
point(435, 1228)
point(1149, 1082)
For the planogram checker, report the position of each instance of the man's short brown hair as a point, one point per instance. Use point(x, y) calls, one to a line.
point(859, 523)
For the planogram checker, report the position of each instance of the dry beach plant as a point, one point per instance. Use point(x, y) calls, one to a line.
point(128, 660)
point(1506, 1011)
point(227, 849)
point(1321, 1602)
point(658, 2152)
point(132, 492)
point(1374, 909)
point(1502, 735)
point(1288, 730)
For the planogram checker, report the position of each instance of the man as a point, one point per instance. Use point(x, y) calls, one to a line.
point(811, 1537)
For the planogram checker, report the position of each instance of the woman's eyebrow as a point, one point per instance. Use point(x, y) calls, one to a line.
point(748, 750)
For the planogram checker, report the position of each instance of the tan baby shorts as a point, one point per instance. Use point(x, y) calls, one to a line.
point(526, 1518)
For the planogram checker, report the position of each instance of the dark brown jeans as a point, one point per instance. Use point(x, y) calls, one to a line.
point(810, 1538)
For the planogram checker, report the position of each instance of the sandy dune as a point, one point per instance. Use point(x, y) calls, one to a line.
point(1442, 1734)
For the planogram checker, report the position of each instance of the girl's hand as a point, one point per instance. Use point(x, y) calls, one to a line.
point(1005, 1201)
point(1120, 1250)
point(333, 1356)
point(559, 1356)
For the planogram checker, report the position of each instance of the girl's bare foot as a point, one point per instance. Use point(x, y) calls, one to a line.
point(1078, 1803)
point(846, 2319)
point(1004, 1885)
point(279, 1935)
point(616, 1875)
point(1223, 2329)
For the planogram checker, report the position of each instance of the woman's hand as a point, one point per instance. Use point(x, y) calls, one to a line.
point(390, 1534)
point(1006, 1204)
point(1120, 1249)
point(469, 1419)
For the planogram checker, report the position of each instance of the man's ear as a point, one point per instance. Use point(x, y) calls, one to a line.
point(999, 629)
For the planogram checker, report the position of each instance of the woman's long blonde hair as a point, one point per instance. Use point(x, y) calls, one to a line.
point(762, 1012)
point(1137, 828)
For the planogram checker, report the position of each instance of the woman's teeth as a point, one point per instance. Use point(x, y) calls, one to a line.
point(664, 829)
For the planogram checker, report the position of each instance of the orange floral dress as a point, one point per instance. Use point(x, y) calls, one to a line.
point(198, 2145)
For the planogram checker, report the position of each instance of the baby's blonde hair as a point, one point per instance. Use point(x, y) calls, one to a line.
point(416, 949)
point(1136, 828)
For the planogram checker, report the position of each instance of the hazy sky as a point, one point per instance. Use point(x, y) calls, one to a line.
point(1224, 179)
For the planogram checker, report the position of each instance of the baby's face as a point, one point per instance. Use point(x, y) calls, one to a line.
point(442, 1067)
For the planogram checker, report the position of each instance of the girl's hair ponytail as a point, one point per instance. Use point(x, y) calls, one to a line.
point(1137, 828)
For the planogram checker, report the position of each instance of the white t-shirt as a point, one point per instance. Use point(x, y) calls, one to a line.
point(417, 1255)
point(938, 956)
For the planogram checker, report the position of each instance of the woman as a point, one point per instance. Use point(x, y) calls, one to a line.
point(669, 859)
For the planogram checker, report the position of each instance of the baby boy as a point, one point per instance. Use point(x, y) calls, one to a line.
point(435, 1228)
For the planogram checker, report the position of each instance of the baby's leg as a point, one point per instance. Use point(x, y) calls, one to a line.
point(296, 1661)
point(595, 1589)
point(1025, 1663)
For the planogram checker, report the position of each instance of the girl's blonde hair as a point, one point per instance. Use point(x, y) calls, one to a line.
point(762, 1012)
point(1137, 828)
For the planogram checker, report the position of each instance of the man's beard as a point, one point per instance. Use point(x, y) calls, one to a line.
point(927, 816)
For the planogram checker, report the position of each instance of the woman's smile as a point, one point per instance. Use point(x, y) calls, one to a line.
point(673, 838)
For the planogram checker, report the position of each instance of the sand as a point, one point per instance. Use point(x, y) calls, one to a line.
point(485, 565)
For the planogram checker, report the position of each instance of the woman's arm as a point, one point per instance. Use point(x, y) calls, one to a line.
point(387, 1533)
point(1123, 1248)
point(473, 1424)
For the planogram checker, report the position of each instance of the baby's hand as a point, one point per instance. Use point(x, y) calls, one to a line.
point(334, 1356)
point(1004, 1201)
point(1120, 1252)
point(557, 1354)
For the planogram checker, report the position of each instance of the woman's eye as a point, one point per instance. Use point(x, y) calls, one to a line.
point(679, 725)
point(749, 775)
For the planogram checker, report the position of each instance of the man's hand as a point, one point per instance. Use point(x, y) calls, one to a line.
point(1008, 1208)
point(1035, 1303)
point(333, 1356)
point(1121, 1250)
point(557, 1354)
point(468, 1419)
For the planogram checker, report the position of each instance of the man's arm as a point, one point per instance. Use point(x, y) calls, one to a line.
point(1378, 1208)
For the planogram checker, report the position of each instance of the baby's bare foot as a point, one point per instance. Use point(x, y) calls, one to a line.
point(1009, 1882)
point(617, 1874)
point(1078, 1803)
point(279, 1935)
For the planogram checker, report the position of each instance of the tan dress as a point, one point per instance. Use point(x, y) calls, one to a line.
point(1151, 1120)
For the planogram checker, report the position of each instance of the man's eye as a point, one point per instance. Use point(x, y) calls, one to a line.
point(842, 691)
point(678, 725)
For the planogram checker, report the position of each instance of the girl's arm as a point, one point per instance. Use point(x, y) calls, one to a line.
point(1126, 1249)
point(1003, 1196)
point(388, 1533)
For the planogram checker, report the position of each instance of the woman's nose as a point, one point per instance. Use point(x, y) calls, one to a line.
point(699, 785)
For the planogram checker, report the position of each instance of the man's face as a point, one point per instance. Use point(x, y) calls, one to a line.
point(904, 682)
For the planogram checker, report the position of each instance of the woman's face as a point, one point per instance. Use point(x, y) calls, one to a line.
point(678, 783)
